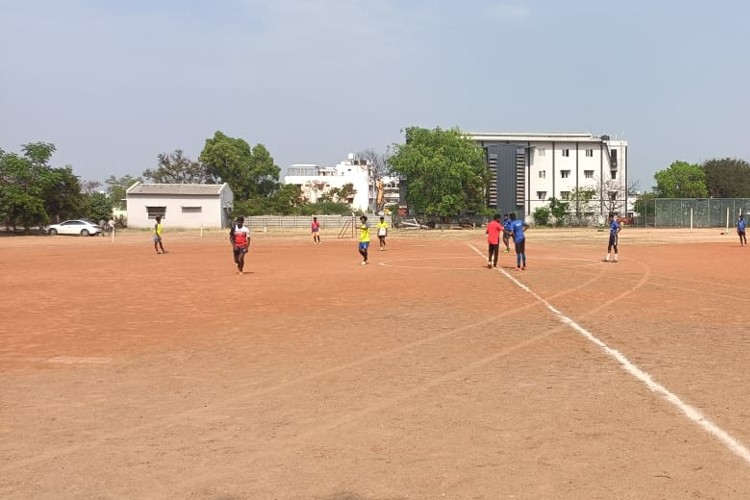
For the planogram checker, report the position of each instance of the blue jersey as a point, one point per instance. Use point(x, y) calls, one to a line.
point(614, 226)
point(507, 225)
point(516, 228)
point(741, 225)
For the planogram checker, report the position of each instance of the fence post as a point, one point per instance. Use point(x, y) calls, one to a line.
point(691, 218)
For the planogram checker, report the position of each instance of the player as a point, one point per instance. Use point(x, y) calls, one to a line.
point(364, 239)
point(239, 236)
point(741, 231)
point(157, 235)
point(614, 232)
point(506, 233)
point(494, 228)
point(518, 231)
point(382, 233)
point(315, 230)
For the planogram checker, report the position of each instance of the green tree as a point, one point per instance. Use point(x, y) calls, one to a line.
point(727, 178)
point(681, 180)
point(31, 191)
point(250, 172)
point(558, 209)
point(97, 206)
point(541, 216)
point(580, 199)
point(175, 168)
point(116, 188)
point(445, 172)
point(339, 195)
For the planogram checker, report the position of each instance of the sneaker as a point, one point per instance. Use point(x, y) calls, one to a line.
point(507, 250)
point(364, 263)
point(523, 268)
point(518, 269)
point(489, 265)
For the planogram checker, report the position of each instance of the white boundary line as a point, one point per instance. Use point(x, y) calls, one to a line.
point(689, 411)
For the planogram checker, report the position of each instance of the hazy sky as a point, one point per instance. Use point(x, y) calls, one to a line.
point(115, 83)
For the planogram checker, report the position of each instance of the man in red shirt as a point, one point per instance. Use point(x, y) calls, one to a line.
point(239, 236)
point(494, 228)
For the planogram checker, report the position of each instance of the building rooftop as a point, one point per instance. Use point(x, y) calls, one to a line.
point(176, 189)
point(520, 137)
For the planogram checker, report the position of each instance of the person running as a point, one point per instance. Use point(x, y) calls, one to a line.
point(506, 233)
point(239, 236)
point(494, 228)
point(518, 230)
point(364, 238)
point(315, 230)
point(741, 230)
point(614, 232)
point(157, 236)
point(382, 233)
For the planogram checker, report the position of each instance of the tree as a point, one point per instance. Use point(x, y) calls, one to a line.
point(250, 172)
point(378, 162)
point(175, 168)
point(444, 171)
point(344, 194)
point(31, 191)
point(681, 180)
point(581, 200)
point(116, 188)
point(97, 207)
point(727, 178)
point(558, 209)
point(541, 216)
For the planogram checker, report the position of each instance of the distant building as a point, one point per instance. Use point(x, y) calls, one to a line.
point(529, 169)
point(180, 205)
point(315, 181)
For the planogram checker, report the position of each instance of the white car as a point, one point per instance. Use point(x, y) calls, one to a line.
point(77, 227)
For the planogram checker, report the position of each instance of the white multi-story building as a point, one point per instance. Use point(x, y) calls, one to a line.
point(529, 169)
point(315, 181)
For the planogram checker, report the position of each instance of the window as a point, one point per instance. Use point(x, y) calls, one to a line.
point(589, 174)
point(154, 212)
point(192, 210)
point(542, 151)
point(542, 174)
point(565, 174)
point(590, 153)
point(613, 195)
point(541, 195)
point(566, 152)
point(564, 195)
point(613, 173)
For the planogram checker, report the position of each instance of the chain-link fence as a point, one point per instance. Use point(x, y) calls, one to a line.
point(691, 212)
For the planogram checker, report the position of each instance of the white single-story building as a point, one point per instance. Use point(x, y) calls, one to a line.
point(180, 205)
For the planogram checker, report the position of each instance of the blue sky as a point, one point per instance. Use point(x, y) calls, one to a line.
point(113, 84)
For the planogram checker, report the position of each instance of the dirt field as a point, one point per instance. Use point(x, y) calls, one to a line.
point(425, 375)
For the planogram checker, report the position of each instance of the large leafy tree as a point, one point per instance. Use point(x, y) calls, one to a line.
point(727, 178)
point(681, 180)
point(176, 168)
point(249, 171)
point(445, 171)
point(32, 192)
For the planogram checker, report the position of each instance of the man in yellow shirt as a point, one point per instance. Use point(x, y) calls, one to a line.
point(157, 236)
point(364, 238)
point(382, 232)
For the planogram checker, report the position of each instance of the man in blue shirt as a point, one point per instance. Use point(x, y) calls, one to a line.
point(614, 231)
point(518, 229)
point(741, 231)
point(506, 233)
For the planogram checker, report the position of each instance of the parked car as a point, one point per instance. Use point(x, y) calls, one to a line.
point(77, 227)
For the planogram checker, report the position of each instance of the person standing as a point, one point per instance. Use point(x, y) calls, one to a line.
point(364, 238)
point(506, 233)
point(741, 230)
point(382, 233)
point(239, 236)
point(518, 231)
point(494, 228)
point(315, 230)
point(614, 233)
point(157, 236)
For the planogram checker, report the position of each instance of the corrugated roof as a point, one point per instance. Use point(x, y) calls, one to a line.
point(176, 189)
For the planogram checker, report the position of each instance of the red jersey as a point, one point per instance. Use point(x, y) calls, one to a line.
point(494, 228)
point(315, 226)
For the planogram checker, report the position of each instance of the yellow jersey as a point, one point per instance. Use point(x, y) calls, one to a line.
point(364, 232)
point(382, 228)
point(157, 229)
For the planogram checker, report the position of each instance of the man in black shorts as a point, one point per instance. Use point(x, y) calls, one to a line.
point(239, 236)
